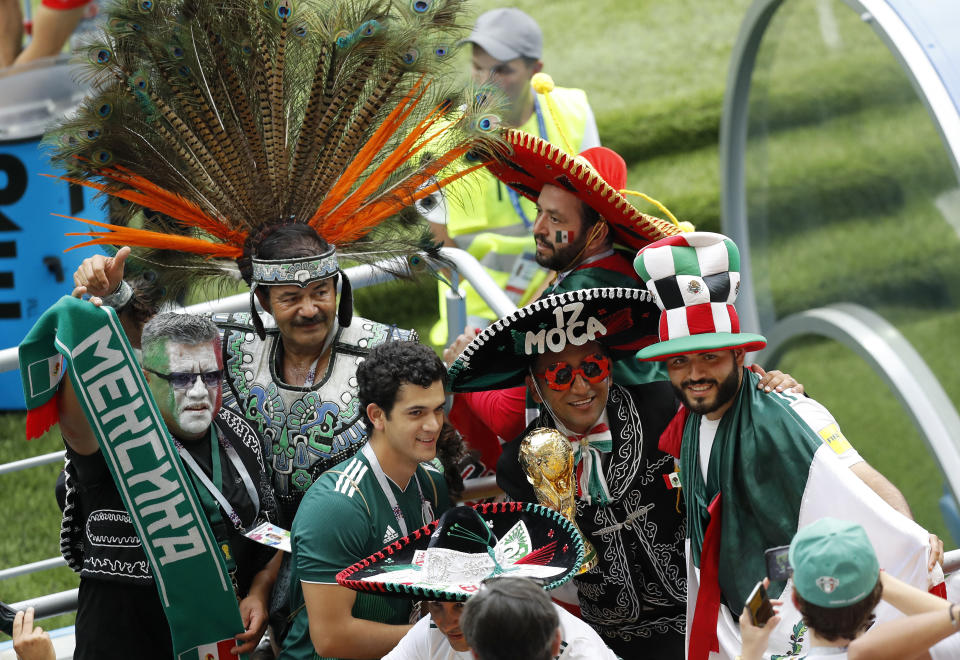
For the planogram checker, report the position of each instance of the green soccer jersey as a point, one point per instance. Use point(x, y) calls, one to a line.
point(346, 517)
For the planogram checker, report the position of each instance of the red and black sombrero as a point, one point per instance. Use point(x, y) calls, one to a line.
point(596, 177)
point(450, 558)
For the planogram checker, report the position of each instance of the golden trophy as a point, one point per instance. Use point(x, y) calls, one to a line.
point(547, 457)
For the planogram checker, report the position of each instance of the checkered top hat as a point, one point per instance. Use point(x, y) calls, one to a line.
point(694, 279)
point(449, 558)
point(622, 320)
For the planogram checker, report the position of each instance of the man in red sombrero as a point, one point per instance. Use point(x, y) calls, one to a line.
point(582, 212)
point(755, 466)
point(488, 219)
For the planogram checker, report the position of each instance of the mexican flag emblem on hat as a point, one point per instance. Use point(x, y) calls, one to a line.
point(622, 320)
point(450, 558)
point(694, 278)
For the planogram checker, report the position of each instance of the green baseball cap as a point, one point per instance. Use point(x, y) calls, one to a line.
point(833, 562)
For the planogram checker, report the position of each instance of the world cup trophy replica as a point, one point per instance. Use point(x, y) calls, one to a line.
point(547, 457)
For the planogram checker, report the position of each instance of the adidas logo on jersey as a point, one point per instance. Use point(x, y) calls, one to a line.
point(390, 535)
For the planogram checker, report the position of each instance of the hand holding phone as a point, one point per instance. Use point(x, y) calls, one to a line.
point(759, 606)
point(757, 621)
point(778, 563)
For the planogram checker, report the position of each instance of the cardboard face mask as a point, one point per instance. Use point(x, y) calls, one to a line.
point(188, 411)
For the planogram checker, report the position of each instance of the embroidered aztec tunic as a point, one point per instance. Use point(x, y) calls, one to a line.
point(307, 430)
point(637, 592)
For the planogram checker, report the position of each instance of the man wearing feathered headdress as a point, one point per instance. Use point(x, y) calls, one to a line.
point(290, 371)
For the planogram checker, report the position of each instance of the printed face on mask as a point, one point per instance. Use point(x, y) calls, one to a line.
point(186, 386)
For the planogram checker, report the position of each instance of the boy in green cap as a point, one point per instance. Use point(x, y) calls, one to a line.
point(837, 585)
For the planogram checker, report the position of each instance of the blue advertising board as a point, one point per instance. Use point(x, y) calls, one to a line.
point(34, 269)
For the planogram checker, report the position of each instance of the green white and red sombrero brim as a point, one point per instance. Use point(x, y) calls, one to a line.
point(449, 558)
point(534, 163)
point(622, 320)
point(695, 279)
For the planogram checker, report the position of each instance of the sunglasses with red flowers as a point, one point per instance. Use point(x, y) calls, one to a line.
point(560, 375)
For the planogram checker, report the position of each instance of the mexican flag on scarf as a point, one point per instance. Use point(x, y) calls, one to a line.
point(769, 474)
point(88, 342)
point(218, 651)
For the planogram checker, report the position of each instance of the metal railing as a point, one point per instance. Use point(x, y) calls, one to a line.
point(466, 267)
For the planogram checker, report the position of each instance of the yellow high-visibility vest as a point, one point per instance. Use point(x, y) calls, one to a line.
point(482, 219)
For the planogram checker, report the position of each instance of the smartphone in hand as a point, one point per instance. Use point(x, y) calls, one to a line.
point(778, 563)
point(759, 605)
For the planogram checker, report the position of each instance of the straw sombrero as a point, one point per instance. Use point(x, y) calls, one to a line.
point(622, 320)
point(596, 177)
point(449, 558)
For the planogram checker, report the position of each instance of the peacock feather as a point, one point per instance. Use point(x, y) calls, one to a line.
point(221, 118)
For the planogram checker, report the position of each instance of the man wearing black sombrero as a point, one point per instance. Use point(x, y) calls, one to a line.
point(466, 551)
point(562, 347)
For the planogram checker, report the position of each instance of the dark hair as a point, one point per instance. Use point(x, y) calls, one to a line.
point(530, 62)
point(147, 294)
point(835, 623)
point(590, 215)
point(510, 618)
point(281, 242)
point(186, 329)
point(451, 451)
point(390, 365)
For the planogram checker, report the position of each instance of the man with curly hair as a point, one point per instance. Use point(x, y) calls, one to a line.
point(390, 488)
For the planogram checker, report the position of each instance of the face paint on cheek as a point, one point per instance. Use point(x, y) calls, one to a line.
point(564, 237)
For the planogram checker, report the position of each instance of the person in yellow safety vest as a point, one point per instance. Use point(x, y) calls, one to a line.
point(482, 215)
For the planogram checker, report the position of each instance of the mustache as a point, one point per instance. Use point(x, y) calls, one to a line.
point(702, 381)
point(317, 318)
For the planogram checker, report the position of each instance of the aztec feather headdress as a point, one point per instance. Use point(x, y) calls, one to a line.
point(227, 118)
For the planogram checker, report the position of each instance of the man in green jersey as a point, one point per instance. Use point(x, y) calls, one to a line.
point(386, 491)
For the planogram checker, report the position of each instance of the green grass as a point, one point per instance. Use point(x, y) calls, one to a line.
point(31, 518)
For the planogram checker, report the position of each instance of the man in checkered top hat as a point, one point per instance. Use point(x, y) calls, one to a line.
point(754, 465)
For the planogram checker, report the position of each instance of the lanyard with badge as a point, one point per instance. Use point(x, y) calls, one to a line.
point(525, 266)
point(511, 193)
point(211, 496)
point(426, 509)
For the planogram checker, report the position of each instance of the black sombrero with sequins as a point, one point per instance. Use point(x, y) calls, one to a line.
point(622, 320)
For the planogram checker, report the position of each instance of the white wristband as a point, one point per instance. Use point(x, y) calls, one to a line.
point(119, 298)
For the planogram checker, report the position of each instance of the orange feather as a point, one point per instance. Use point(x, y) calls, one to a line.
point(119, 235)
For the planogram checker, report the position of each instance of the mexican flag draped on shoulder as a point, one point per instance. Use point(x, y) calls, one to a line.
point(755, 466)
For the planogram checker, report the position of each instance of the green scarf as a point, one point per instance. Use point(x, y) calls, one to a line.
point(189, 571)
point(759, 462)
